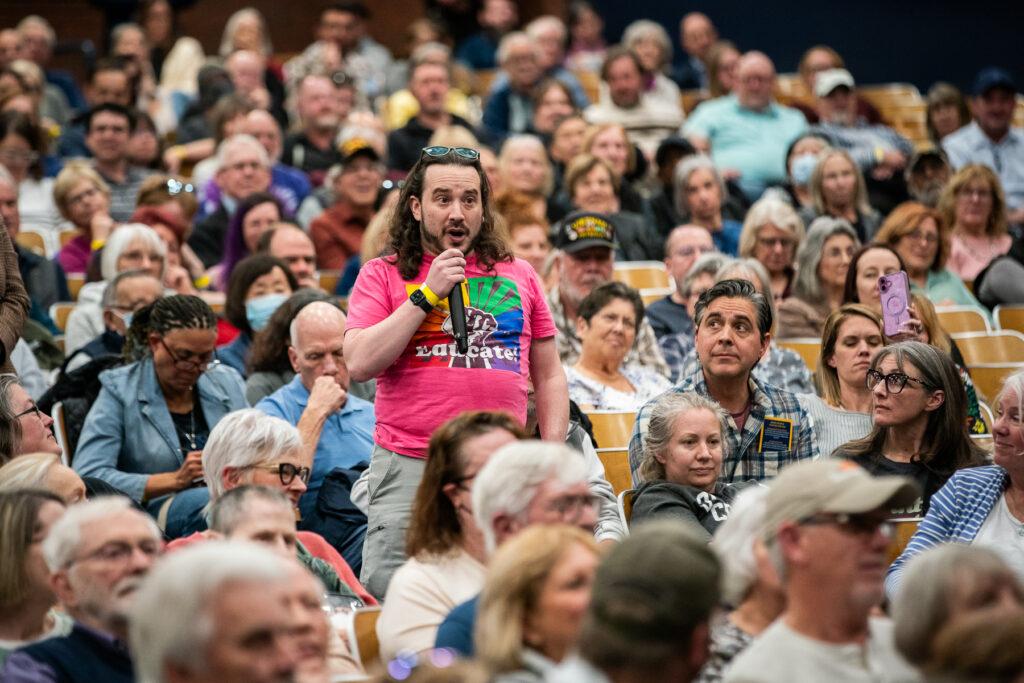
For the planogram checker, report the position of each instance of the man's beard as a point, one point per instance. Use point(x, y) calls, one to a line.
point(927, 193)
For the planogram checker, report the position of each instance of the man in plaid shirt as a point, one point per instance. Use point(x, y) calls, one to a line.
point(767, 428)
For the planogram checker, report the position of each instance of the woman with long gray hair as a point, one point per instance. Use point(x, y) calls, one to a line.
point(821, 264)
point(919, 410)
point(683, 450)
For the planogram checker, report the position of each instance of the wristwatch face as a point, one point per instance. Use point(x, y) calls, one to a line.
point(420, 299)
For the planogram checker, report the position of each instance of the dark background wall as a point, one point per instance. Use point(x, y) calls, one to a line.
point(915, 41)
point(882, 40)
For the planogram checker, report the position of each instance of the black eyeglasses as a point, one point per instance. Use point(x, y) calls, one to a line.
point(858, 524)
point(33, 408)
point(894, 381)
point(441, 151)
point(286, 472)
point(189, 361)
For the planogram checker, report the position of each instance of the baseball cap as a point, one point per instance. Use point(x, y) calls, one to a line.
point(650, 590)
point(830, 79)
point(583, 229)
point(833, 485)
point(356, 146)
point(993, 77)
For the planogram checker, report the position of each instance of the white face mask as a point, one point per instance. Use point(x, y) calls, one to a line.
point(803, 167)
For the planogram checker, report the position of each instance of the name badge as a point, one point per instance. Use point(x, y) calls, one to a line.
point(776, 435)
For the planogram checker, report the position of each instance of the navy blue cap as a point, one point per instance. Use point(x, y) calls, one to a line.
point(993, 77)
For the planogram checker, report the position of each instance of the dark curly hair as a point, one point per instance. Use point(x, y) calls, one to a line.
point(404, 238)
point(178, 312)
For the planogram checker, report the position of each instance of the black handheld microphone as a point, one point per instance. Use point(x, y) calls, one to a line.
point(457, 311)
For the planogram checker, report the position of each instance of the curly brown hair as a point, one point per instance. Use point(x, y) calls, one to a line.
point(404, 237)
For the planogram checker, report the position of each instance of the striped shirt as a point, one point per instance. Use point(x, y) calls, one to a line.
point(745, 458)
point(955, 515)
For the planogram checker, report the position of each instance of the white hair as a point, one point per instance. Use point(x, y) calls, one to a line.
point(513, 40)
point(36, 20)
point(227, 39)
point(27, 471)
point(170, 620)
point(510, 479)
point(65, 537)
point(239, 140)
point(641, 29)
point(6, 177)
point(734, 540)
point(317, 311)
point(543, 23)
point(119, 240)
point(242, 439)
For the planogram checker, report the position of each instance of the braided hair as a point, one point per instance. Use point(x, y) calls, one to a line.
point(178, 312)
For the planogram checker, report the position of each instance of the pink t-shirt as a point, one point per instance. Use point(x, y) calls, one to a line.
point(431, 382)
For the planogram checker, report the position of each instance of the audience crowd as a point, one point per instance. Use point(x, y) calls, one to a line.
point(308, 359)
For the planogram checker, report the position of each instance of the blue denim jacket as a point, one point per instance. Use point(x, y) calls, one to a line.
point(129, 434)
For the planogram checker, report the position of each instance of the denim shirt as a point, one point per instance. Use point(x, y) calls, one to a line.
point(129, 434)
point(346, 439)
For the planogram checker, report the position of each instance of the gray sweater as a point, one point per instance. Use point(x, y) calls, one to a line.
point(833, 427)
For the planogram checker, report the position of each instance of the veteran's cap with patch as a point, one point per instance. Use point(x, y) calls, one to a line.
point(583, 229)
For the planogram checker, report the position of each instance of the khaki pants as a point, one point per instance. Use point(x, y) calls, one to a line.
point(392, 483)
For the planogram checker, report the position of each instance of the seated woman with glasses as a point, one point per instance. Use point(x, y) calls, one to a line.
point(920, 421)
point(444, 545)
point(608, 322)
point(146, 431)
point(922, 239)
point(681, 470)
point(982, 505)
point(83, 198)
point(772, 233)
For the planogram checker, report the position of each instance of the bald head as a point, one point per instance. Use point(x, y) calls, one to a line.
point(685, 244)
point(755, 78)
point(292, 245)
point(317, 344)
point(697, 34)
point(262, 126)
point(246, 70)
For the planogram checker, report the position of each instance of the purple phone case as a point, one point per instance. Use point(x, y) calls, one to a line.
point(894, 292)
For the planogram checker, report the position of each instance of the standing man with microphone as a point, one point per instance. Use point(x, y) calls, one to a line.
point(443, 241)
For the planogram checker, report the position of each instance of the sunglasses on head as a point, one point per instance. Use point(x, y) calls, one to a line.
point(441, 151)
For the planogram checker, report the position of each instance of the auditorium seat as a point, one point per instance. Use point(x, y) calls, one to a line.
point(642, 274)
point(616, 468)
point(809, 349)
point(612, 428)
point(1000, 346)
point(957, 319)
point(1009, 317)
point(988, 377)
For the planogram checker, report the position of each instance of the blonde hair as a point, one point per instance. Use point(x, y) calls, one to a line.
point(665, 413)
point(594, 131)
point(515, 580)
point(27, 471)
point(860, 196)
point(453, 136)
point(997, 221)
point(826, 377)
point(533, 142)
point(74, 172)
point(769, 210)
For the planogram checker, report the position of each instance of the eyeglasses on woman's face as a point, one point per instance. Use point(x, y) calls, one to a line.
point(894, 381)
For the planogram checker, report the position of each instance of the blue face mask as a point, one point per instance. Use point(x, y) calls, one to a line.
point(127, 319)
point(259, 310)
point(803, 166)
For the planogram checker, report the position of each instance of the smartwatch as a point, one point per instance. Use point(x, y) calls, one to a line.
point(419, 299)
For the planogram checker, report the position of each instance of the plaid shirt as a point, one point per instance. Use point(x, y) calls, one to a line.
point(645, 350)
point(744, 460)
